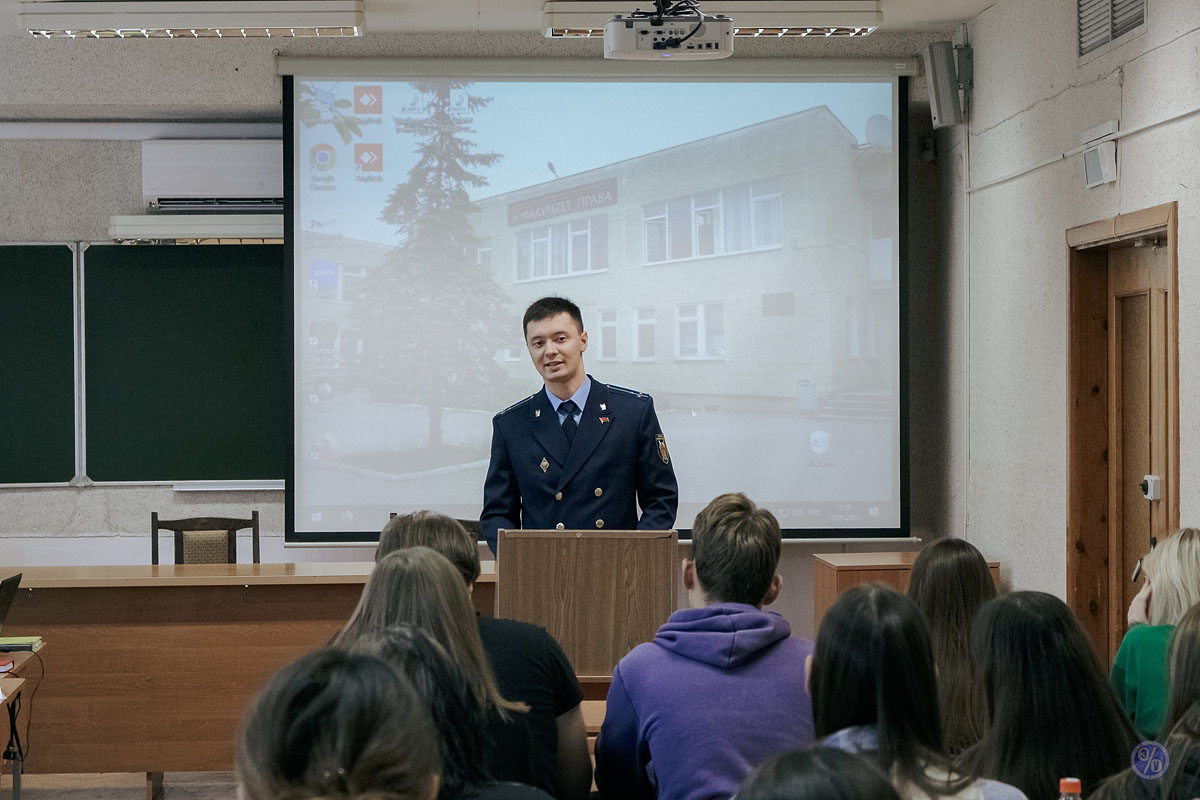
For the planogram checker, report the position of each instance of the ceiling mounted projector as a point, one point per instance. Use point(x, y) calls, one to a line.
point(688, 38)
point(582, 19)
point(674, 29)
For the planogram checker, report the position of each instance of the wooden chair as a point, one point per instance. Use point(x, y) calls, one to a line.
point(204, 540)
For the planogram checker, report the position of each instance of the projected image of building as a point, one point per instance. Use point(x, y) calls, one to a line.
point(758, 260)
point(745, 279)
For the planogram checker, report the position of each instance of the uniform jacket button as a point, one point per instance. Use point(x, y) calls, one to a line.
point(560, 527)
point(599, 523)
point(599, 491)
point(558, 496)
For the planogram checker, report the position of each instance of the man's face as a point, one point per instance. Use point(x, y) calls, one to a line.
point(556, 346)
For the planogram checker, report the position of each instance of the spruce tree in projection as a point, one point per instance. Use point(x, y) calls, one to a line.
point(433, 320)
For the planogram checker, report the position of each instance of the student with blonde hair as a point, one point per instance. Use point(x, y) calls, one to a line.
point(1171, 587)
point(527, 663)
point(1181, 729)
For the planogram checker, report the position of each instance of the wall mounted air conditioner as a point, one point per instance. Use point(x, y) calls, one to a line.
point(218, 175)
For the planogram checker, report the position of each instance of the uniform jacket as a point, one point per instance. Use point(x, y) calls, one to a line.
point(617, 462)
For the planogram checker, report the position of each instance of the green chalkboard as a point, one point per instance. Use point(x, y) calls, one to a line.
point(187, 362)
point(37, 364)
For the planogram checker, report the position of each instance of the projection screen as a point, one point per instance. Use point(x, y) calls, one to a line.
point(734, 244)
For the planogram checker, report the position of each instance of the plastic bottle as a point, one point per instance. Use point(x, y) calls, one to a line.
point(1070, 789)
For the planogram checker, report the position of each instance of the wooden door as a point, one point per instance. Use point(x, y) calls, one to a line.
point(1123, 413)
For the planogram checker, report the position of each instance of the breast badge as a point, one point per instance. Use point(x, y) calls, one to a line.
point(545, 465)
point(662, 448)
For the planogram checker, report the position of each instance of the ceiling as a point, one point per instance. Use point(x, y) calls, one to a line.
point(466, 16)
point(469, 16)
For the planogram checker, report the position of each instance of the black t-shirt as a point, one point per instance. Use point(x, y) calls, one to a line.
point(504, 791)
point(530, 667)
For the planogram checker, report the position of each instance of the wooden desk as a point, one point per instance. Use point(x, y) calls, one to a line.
point(148, 669)
point(10, 688)
point(837, 572)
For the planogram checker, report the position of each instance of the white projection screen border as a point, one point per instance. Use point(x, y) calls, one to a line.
point(735, 239)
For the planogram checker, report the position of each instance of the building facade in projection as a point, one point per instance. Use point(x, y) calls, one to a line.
point(758, 260)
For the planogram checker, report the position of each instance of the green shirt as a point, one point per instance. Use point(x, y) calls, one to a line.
point(1139, 676)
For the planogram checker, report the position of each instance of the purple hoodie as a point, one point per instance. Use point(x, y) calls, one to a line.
point(719, 690)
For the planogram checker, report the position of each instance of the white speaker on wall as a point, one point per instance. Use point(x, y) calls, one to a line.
point(942, 78)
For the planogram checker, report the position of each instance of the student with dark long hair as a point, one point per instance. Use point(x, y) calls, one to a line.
point(950, 582)
point(817, 774)
point(874, 692)
point(337, 726)
point(1181, 730)
point(459, 720)
point(1051, 712)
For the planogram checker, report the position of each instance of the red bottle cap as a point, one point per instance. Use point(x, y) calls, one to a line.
point(1070, 786)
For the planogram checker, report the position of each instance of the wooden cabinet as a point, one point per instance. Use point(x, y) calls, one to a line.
point(834, 573)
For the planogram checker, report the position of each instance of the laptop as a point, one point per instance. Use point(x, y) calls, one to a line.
point(8, 592)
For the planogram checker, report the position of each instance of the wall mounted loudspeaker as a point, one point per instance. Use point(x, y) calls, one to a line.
point(942, 78)
point(1100, 164)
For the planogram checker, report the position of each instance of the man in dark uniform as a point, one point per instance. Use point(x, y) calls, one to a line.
point(577, 454)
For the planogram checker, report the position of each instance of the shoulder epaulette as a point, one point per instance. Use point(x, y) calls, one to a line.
point(517, 404)
point(628, 392)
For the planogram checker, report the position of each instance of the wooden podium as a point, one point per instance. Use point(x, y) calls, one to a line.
point(599, 593)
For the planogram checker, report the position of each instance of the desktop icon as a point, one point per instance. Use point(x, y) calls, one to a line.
point(368, 157)
point(368, 99)
point(322, 157)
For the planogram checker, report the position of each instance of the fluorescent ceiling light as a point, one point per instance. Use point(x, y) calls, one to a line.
point(751, 18)
point(213, 19)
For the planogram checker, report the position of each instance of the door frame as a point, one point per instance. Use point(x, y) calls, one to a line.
point(1093, 545)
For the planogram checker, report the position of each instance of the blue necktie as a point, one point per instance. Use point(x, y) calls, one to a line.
point(569, 424)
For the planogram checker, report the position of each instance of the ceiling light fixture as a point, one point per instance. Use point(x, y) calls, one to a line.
point(201, 19)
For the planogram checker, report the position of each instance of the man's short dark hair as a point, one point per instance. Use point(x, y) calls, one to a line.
point(548, 307)
point(735, 545)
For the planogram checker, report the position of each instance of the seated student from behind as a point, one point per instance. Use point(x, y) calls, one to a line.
point(721, 688)
point(528, 664)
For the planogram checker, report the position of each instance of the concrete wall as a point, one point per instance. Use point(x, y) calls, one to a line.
point(1007, 320)
point(66, 191)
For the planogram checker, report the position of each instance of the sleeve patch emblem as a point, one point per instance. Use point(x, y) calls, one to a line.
point(662, 448)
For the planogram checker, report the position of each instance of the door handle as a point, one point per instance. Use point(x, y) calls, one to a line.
point(1151, 486)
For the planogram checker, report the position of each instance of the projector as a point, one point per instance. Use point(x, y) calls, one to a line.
point(683, 38)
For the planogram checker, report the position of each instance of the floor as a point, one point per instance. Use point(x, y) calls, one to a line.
point(122, 786)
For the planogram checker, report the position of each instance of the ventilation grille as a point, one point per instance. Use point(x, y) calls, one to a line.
point(220, 205)
point(1101, 21)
